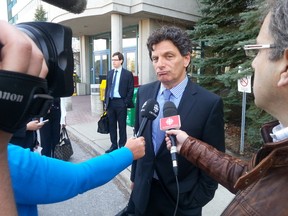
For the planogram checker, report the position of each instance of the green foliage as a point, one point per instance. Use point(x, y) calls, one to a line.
point(225, 26)
point(40, 14)
point(76, 78)
point(256, 118)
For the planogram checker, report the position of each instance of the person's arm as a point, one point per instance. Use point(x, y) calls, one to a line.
point(34, 125)
point(130, 91)
point(7, 203)
point(18, 54)
point(38, 179)
point(222, 167)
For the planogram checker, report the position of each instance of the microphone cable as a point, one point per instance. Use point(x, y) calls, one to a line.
point(177, 199)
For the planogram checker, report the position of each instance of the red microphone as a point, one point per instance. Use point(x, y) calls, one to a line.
point(171, 121)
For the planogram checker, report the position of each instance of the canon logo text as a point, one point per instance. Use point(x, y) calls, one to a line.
point(11, 97)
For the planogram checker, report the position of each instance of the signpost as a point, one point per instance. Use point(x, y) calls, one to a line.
point(244, 85)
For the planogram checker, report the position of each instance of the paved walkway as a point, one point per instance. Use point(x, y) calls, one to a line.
point(82, 124)
point(83, 112)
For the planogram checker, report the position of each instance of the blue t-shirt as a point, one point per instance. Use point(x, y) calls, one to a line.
point(41, 180)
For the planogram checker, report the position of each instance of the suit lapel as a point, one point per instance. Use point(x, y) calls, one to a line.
point(121, 77)
point(187, 100)
point(150, 91)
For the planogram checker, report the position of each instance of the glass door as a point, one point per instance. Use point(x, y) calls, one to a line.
point(130, 56)
point(100, 65)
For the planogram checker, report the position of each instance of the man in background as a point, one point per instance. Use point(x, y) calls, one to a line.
point(118, 97)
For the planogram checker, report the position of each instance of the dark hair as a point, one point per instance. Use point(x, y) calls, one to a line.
point(278, 28)
point(177, 36)
point(120, 56)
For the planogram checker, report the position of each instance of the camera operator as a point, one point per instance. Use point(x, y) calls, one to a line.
point(18, 54)
point(29, 171)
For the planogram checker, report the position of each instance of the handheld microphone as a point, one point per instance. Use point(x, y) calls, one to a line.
point(171, 121)
point(73, 6)
point(149, 111)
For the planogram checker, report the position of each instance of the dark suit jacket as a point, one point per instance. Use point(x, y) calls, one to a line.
point(126, 87)
point(201, 114)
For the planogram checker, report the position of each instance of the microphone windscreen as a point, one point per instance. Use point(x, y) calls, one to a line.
point(150, 109)
point(73, 6)
point(169, 109)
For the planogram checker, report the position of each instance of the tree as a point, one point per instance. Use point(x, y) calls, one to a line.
point(40, 14)
point(221, 32)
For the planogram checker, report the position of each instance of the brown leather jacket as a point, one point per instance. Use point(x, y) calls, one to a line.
point(261, 184)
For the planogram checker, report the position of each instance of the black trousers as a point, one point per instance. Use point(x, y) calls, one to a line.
point(50, 132)
point(117, 114)
point(160, 204)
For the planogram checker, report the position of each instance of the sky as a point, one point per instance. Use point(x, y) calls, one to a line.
point(3, 13)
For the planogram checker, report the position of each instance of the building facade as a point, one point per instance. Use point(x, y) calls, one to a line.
point(107, 26)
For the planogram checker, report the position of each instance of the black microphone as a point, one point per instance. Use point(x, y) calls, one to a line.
point(171, 121)
point(73, 6)
point(149, 111)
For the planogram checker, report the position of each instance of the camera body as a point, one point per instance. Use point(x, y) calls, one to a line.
point(55, 42)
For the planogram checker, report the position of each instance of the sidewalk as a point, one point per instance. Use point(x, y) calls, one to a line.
point(82, 125)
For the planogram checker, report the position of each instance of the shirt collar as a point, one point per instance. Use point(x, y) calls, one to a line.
point(279, 132)
point(118, 69)
point(178, 90)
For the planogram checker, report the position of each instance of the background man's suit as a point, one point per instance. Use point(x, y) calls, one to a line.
point(117, 107)
point(201, 115)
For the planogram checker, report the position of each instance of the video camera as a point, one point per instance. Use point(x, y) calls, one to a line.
point(55, 42)
point(29, 96)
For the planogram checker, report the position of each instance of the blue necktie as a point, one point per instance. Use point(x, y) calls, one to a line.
point(167, 94)
point(161, 134)
point(113, 85)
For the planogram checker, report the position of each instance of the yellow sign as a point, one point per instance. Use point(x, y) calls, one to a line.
point(102, 90)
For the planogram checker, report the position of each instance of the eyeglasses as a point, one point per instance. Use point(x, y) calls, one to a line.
point(252, 50)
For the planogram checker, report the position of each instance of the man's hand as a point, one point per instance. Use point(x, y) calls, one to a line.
point(19, 53)
point(137, 146)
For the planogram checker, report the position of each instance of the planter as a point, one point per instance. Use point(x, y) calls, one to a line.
point(81, 88)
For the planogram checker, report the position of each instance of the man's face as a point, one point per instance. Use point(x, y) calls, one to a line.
point(116, 62)
point(169, 64)
point(266, 72)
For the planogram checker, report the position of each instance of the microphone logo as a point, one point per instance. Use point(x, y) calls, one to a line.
point(170, 122)
point(150, 109)
point(155, 111)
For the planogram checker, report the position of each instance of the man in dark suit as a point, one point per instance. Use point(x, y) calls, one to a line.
point(118, 97)
point(153, 181)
